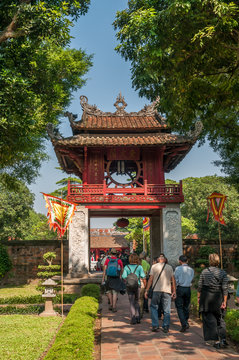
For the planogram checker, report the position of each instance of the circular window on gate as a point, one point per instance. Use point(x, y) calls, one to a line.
point(123, 173)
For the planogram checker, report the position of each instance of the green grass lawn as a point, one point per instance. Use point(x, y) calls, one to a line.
point(21, 290)
point(26, 337)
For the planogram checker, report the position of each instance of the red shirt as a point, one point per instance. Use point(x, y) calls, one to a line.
point(114, 257)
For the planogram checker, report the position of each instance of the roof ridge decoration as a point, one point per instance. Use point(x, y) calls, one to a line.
point(193, 134)
point(53, 132)
point(148, 110)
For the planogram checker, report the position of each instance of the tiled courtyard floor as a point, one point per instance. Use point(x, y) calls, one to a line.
point(122, 341)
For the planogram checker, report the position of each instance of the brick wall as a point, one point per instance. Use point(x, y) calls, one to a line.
point(27, 255)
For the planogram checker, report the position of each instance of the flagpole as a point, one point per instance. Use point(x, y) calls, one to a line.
point(61, 262)
point(220, 242)
point(143, 240)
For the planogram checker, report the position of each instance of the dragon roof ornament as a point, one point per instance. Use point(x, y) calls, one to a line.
point(148, 110)
point(193, 134)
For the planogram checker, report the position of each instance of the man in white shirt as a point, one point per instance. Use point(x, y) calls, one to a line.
point(183, 276)
point(164, 290)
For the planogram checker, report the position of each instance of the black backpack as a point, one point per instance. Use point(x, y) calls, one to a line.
point(132, 281)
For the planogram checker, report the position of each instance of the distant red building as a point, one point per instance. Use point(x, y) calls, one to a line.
point(101, 240)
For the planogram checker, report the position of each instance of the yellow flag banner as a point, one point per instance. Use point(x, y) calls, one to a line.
point(216, 203)
point(60, 213)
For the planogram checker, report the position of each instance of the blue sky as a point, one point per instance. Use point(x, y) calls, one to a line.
point(109, 75)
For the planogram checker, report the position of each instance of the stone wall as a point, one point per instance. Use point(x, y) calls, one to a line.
point(27, 255)
point(229, 253)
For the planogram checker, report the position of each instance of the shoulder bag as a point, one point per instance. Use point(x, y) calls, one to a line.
point(151, 289)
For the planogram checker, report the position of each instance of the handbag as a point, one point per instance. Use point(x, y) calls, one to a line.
point(151, 289)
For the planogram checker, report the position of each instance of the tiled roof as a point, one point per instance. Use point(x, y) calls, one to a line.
point(123, 140)
point(126, 122)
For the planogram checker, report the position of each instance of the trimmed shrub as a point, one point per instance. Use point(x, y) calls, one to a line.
point(75, 340)
point(38, 299)
point(5, 262)
point(26, 310)
point(91, 290)
point(232, 324)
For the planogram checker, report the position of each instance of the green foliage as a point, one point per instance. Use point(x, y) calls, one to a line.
point(5, 261)
point(50, 270)
point(49, 257)
point(92, 290)
point(39, 228)
point(62, 191)
point(186, 53)
point(15, 206)
point(194, 302)
point(135, 232)
point(188, 226)
point(38, 73)
point(194, 208)
point(75, 340)
point(38, 299)
point(204, 252)
point(232, 324)
point(31, 309)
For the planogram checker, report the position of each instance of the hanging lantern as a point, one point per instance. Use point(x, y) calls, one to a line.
point(123, 222)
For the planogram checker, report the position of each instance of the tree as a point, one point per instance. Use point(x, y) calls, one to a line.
point(186, 52)
point(15, 207)
point(62, 191)
point(135, 232)
point(194, 208)
point(38, 73)
point(38, 228)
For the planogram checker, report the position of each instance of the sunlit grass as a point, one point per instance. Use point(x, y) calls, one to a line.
point(21, 290)
point(26, 337)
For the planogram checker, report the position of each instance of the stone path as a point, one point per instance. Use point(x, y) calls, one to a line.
point(120, 340)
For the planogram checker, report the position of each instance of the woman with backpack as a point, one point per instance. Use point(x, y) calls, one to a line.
point(132, 275)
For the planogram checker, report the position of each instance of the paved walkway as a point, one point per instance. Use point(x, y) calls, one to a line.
point(120, 340)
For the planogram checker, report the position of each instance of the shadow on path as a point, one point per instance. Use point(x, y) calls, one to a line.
point(120, 340)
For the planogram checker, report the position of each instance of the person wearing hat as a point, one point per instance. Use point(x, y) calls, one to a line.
point(184, 275)
point(113, 268)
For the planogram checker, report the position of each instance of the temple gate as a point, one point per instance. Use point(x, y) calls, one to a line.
point(122, 159)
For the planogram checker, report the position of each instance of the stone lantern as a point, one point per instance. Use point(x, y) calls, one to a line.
point(231, 291)
point(49, 294)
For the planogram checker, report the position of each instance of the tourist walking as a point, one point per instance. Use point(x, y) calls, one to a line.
point(113, 269)
point(163, 285)
point(132, 274)
point(143, 303)
point(125, 257)
point(184, 275)
point(212, 298)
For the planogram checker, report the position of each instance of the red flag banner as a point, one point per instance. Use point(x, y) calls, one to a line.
point(60, 213)
point(216, 203)
point(146, 223)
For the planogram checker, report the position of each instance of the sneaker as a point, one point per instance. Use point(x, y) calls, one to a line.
point(183, 329)
point(138, 319)
point(187, 326)
point(114, 310)
point(165, 329)
point(217, 345)
point(224, 343)
point(155, 328)
point(133, 320)
point(110, 307)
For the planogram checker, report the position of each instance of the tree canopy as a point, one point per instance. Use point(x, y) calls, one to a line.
point(186, 53)
point(194, 208)
point(15, 207)
point(38, 73)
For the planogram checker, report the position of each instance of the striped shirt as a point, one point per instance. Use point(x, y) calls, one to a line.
point(209, 278)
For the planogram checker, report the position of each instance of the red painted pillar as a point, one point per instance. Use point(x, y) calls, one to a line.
point(85, 166)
